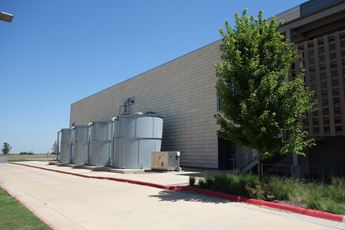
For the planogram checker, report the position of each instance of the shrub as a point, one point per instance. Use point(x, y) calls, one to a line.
point(336, 189)
point(202, 184)
point(191, 181)
point(281, 188)
point(209, 181)
point(326, 197)
point(335, 207)
point(311, 196)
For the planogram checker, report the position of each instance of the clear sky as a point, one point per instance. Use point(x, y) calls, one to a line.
point(57, 52)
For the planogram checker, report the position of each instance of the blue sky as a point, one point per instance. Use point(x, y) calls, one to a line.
point(57, 52)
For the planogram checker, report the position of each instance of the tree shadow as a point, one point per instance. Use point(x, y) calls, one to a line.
point(174, 196)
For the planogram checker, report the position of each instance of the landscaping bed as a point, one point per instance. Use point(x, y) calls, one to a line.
point(324, 196)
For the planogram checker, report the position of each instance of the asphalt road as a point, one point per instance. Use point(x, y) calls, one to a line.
point(70, 202)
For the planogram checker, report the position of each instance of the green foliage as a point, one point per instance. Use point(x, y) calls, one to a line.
point(281, 189)
point(326, 197)
point(336, 190)
point(26, 153)
point(191, 181)
point(260, 108)
point(6, 148)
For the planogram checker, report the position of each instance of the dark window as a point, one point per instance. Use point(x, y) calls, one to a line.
point(325, 111)
point(335, 82)
point(338, 128)
point(322, 58)
point(326, 121)
point(335, 91)
point(334, 73)
point(337, 110)
point(315, 121)
point(323, 84)
point(337, 120)
point(327, 129)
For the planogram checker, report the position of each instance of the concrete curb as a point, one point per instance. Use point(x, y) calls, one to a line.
point(27, 207)
point(274, 205)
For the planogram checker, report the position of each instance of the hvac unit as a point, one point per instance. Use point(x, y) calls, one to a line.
point(166, 161)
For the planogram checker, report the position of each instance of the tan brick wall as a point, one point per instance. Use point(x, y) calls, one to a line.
point(182, 91)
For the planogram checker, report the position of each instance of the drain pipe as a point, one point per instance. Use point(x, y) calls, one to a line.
point(58, 145)
point(89, 133)
point(112, 149)
point(72, 143)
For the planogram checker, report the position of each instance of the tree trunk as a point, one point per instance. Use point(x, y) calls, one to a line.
point(260, 168)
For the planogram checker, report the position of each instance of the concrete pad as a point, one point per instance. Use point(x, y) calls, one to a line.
point(126, 171)
point(164, 178)
point(70, 202)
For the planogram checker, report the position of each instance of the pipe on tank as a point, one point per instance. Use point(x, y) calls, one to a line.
point(89, 142)
point(111, 151)
point(58, 145)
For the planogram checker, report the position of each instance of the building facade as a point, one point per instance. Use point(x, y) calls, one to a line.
point(183, 90)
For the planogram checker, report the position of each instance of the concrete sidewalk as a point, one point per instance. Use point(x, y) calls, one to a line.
point(70, 202)
point(163, 178)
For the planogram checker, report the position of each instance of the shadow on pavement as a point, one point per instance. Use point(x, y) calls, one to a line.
point(174, 196)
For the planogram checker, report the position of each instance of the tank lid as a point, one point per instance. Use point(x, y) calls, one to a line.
point(101, 122)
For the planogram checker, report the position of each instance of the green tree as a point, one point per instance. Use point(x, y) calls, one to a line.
point(54, 148)
point(6, 148)
point(260, 108)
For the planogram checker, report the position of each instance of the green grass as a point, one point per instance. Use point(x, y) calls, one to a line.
point(15, 216)
point(328, 197)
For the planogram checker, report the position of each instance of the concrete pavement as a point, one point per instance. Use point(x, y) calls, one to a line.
point(70, 202)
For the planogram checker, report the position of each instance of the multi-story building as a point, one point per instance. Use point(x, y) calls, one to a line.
point(317, 30)
point(183, 92)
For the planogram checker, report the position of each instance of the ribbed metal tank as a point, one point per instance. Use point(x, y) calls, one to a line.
point(100, 137)
point(136, 137)
point(80, 142)
point(65, 146)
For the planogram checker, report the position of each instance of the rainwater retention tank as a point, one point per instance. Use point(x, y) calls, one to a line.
point(136, 137)
point(80, 141)
point(65, 146)
point(100, 142)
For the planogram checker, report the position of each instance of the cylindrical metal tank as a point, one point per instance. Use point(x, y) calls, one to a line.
point(65, 146)
point(136, 137)
point(100, 140)
point(80, 141)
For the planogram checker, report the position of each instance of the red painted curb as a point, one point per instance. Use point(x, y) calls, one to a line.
point(279, 206)
point(27, 207)
point(166, 187)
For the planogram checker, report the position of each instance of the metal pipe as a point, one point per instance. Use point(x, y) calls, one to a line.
point(89, 143)
point(72, 143)
point(112, 160)
point(58, 145)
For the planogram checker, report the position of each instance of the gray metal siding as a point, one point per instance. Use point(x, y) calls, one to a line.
point(182, 91)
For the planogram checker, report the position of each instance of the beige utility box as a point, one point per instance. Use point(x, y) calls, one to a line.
point(169, 161)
